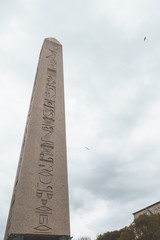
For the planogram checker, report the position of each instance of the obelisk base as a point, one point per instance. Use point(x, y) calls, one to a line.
point(37, 237)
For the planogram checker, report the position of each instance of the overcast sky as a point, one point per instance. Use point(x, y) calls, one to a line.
point(112, 98)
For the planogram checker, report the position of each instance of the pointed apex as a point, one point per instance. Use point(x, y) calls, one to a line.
point(53, 40)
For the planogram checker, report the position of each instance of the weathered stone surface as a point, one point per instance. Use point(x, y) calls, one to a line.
point(39, 205)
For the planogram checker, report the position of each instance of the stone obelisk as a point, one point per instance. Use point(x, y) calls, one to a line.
point(39, 206)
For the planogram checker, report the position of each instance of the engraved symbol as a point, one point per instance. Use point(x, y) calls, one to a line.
point(47, 137)
point(50, 92)
point(39, 194)
point(42, 228)
point(44, 201)
point(43, 209)
point(48, 128)
point(45, 195)
point(45, 158)
point(45, 177)
point(48, 112)
point(51, 59)
point(51, 77)
point(43, 219)
point(47, 148)
point(48, 120)
point(49, 195)
point(49, 103)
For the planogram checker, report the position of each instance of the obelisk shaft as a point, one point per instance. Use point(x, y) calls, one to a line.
point(39, 205)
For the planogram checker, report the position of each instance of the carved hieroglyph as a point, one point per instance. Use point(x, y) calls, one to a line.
point(39, 203)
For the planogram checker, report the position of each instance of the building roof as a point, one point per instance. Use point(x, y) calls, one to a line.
point(146, 208)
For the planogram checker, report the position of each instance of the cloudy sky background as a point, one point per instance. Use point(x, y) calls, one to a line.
point(112, 97)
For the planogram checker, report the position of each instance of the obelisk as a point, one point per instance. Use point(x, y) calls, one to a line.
point(39, 206)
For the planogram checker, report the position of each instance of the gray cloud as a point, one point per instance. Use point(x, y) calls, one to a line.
point(112, 102)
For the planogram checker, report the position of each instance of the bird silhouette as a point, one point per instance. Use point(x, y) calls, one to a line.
point(144, 38)
point(87, 148)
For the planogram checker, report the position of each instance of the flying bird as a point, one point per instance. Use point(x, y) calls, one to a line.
point(144, 38)
point(87, 148)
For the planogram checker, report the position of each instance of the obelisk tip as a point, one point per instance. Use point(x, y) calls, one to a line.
point(54, 40)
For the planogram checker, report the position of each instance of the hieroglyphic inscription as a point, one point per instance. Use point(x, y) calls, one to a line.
point(45, 186)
